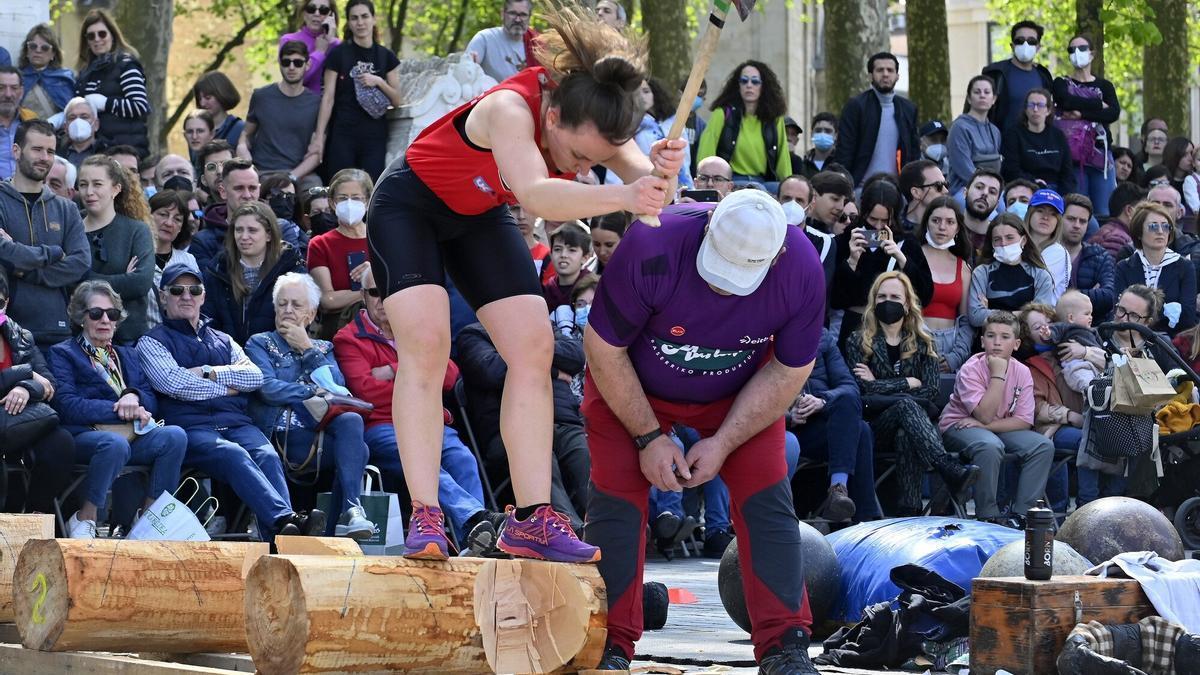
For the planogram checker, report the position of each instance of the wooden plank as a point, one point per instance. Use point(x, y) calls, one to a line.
point(17, 659)
point(233, 663)
point(287, 544)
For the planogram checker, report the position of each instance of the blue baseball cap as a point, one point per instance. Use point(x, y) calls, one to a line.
point(178, 269)
point(1047, 197)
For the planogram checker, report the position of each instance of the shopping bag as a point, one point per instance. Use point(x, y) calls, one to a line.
point(382, 509)
point(170, 519)
point(1142, 384)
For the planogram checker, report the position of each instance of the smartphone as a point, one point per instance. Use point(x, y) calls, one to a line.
point(325, 28)
point(354, 259)
point(701, 195)
point(872, 238)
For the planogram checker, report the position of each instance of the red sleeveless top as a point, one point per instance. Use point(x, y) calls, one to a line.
point(946, 297)
point(462, 174)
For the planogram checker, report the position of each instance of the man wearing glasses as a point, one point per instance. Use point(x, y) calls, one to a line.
point(503, 50)
point(920, 183)
point(203, 377)
point(1016, 76)
point(714, 173)
point(281, 120)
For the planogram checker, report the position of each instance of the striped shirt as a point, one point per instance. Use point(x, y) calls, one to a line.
point(133, 101)
point(167, 377)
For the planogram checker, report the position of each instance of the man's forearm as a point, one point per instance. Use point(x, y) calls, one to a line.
point(618, 383)
point(762, 401)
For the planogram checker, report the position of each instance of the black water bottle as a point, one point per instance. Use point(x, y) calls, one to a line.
point(1039, 542)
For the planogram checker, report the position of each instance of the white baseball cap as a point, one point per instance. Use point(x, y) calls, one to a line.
point(744, 236)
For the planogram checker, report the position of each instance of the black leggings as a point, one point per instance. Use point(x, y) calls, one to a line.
point(414, 239)
point(355, 151)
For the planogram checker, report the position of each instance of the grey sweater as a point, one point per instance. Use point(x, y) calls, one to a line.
point(47, 256)
point(883, 158)
point(969, 141)
point(113, 246)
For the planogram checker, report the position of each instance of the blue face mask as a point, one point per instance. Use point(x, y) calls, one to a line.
point(581, 316)
point(150, 191)
point(697, 103)
point(1019, 209)
point(822, 141)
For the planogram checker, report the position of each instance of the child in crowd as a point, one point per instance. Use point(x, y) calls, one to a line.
point(570, 319)
point(1074, 314)
point(990, 415)
point(570, 246)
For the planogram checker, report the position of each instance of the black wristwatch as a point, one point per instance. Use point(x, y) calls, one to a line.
point(646, 439)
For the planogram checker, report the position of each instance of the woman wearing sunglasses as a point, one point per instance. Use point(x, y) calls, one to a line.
point(1154, 264)
point(48, 86)
point(1086, 105)
point(106, 402)
point(1034, 149)
point(318, 21)
point(172, 228)
point(746, 127)
point(112, 79)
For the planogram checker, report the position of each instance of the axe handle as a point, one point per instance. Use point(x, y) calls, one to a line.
point(704, 54)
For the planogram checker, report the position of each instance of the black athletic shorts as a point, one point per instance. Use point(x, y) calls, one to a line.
point(415, 239)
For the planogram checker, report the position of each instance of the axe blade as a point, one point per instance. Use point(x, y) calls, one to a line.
point(744, 7)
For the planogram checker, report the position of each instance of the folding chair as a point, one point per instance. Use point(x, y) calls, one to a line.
point(460, 400)
point(80, 473)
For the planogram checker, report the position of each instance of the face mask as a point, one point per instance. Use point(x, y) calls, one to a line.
point(320, 223)
point(581, 316)
point(1081, 59)
point(180, 183)
point(794, 212)
point(1009, 255)
point(150, 191)
point(1025, 53)
point(941, 247)
point(283, 205)
point(79, 130)
point(936, 152)
point(351, 211)
point(1019, 209)
point(822, 141)
point(889, 312)
point(1041, 349)
point(697, 103)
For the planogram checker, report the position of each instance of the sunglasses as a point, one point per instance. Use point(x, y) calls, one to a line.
point(750, 80)
point(323, 11)
point(845, 218)
point(37, 47)
point(1082, 49)
point(94, 313)
point(1162, 228)
point(292, 63)
point(939, 185)
point(98, 35)
point(195, 290)
point(373, 292)
point(1031, 41)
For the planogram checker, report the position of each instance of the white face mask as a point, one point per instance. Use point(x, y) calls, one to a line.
point(1081, 59)
point(1010, 254)
point(79, 130)
point(941, 247)
point(350, 211)
point(1025, 53)
point(936, 152)
point(794, 212)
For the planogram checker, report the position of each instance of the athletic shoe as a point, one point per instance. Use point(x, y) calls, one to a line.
point(614, 659)
point(545, 535)
point(716, 542)
point(426, 538)
point(837, 507)
point(480, 541)
point(960, 479)
point(310, 524)
point(80, 529)
point(789, 657)
point(669, 532)
point(354, 524)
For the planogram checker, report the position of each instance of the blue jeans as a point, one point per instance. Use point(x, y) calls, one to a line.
point(106, 453)
point(772, 186)
point(243, 457)
point(848, 450)
point(344, 451)
point(1098, 187)
point(460, 490)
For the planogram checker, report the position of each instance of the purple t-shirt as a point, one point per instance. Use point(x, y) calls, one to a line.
point(687, 342)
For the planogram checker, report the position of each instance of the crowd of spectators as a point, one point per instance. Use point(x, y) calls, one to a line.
point(182, 321)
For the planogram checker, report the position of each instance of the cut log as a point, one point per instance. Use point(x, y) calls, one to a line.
point(287, 544)
point(121, 595)
point(466, 615)
point(15, 530)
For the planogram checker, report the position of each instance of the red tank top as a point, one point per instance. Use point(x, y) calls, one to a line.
point(462, 174)
point(944, 302)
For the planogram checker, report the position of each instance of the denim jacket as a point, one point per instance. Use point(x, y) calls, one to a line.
point(287, 376)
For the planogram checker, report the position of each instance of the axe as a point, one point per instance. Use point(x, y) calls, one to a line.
point(704, 54)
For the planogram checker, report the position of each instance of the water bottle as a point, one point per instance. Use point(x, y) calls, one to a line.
point(1039, 542)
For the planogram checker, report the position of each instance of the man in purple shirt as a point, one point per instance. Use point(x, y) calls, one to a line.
point(712, 321)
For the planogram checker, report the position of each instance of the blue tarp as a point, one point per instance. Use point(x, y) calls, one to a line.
point(867, 552)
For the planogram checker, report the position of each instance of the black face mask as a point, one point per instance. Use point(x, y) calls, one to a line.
point(283, 204)
point(889, 312)
point(180, 183)
point(320, 223)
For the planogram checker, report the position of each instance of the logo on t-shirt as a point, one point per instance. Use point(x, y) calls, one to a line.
point(678, 331)
point(482, 185)
point(693, 359)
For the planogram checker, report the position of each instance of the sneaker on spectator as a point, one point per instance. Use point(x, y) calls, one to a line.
point(670, 530)
point(426, 538)
point(354, 524)
point(545, 535)
point(837, 507)
point(716, 542)
point(80, 529)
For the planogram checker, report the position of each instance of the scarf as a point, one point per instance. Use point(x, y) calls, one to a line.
point(1153, 272)
point(106, 362)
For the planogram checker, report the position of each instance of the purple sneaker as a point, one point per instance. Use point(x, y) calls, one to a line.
point(426, 538)
point(546, 535)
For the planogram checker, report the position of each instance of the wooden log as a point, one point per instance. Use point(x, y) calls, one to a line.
point(286, 544)
point(16, 659)
point(466, 615)
point(15, 530)
point(120, 595)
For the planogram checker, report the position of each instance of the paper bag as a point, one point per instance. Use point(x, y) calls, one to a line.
point(169, 519)
point(1140, 384)
point(382, 509)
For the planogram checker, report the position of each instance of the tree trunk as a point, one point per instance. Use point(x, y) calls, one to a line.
point(854, 30)
point(121, 595)
point(1087, 21)
point(928, 58)
point(1165, 74)
point(465, 615)
point(147, 25)
point(458, 27)
point(15, 530)
point(670, 41)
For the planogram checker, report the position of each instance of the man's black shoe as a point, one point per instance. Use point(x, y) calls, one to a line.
point(614, 659)
point(310, 524)
point(716, 542)
point(789, 657)
point(670, 530)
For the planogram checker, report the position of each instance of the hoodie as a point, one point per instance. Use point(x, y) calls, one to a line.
point(971, 144)
point(48, 254)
